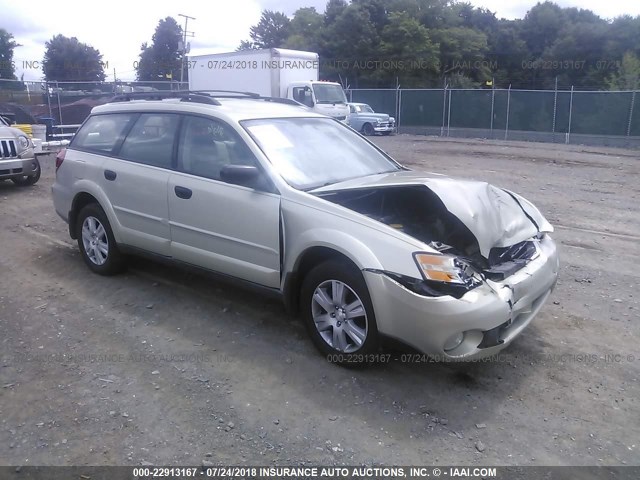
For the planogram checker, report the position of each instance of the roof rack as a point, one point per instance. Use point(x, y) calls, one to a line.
point(184, 96)
point(201, 96)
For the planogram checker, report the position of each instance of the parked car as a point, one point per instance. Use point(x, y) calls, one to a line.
point(303, 207)
point(18, 162)
point(363, 119)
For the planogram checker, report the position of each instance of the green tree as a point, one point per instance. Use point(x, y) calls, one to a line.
point(462, 53)
point(541, 27)
point(305, 30)
point(351, 43)
point(628, 75)
point(7, 44)
point(333, 10)
point(271, 31)
point(162, 60)
point(68, 59)
point(413, 56)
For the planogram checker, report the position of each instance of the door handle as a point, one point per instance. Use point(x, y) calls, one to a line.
point(182, 192)
point(110, 175)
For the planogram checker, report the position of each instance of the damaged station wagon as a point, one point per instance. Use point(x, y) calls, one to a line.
point(264, 191)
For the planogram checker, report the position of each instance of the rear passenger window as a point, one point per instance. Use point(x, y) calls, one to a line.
point(151, 139)
point(207, 146)
point(102, 133)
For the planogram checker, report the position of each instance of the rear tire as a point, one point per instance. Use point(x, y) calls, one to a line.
point(31, 180)
point(338, 314)
point(96, 242)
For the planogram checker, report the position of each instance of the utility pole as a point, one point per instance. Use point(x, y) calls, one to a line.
point(184, 42)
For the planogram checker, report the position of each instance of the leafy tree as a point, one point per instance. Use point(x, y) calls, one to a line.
point(541, 27)
point(333, 10)
point(573, 45)
point(271, 31)
point(415, 56)
point(7, 44)
point(305, 30)
point(68, 59)
point(162, 60)
point(462, 51)
point(377, 12)
point(352, 41)
point(628, 75)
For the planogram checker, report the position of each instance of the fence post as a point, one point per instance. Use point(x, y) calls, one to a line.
point(633, 101)
point(493, 99)
point(555, 105)
point(59, 106)
point(444, 109)
point(449, 114)
point(399, 107)
point(506, 125)
point(568, 137)
point(46, 84)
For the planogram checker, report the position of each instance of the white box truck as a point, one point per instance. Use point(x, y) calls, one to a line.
point(273, 72)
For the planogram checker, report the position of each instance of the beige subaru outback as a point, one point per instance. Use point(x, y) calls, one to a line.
point(302, 206)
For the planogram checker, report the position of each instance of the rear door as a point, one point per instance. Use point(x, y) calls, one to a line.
point(136, 179)
point(226, 228)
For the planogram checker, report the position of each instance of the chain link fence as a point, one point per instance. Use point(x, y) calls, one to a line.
point(558, 116)
point(60, 103)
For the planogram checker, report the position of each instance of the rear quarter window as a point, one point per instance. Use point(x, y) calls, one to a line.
point(103, 133)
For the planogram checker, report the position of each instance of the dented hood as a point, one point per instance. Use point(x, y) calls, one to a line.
point(496, 217)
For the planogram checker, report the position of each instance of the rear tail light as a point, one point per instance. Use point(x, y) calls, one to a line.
point(60, 158)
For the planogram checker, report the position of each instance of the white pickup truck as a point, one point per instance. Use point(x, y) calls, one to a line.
point(273, 72)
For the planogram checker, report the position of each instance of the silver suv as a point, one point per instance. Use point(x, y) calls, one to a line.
point(17, 160)
point(305, 207)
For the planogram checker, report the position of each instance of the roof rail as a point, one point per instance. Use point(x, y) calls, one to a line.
point(184, 96)
point(201, 96)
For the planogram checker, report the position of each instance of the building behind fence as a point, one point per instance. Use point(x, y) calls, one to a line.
point(560, 116)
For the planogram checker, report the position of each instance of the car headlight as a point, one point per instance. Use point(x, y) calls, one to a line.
point(441, 268)
point(23, 142)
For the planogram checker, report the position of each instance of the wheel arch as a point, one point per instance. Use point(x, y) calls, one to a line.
point(305, 262)
point(85, 195)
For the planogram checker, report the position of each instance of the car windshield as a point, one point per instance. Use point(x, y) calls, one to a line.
point(366, 109)
point(313, 152)
point(328, 93)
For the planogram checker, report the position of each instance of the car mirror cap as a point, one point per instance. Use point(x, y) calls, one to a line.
point(239, 174)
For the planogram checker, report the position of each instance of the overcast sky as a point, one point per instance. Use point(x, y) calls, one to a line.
point(117, 28)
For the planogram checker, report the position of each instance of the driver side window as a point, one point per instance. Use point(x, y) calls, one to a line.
point(207, 146)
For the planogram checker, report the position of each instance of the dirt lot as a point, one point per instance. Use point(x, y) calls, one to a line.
point(163, 366)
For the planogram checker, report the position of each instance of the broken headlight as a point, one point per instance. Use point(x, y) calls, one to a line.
point(443, 268)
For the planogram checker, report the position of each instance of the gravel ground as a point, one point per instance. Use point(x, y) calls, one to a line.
point(162, 366)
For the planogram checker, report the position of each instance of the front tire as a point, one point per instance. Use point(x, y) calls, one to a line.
point(338, 313)
point(30, 180)
point(96, 242)
point(367, 129)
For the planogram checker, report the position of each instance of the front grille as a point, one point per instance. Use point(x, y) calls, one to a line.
point(8, 149)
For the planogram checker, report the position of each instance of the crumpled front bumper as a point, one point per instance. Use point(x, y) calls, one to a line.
point(490, 316)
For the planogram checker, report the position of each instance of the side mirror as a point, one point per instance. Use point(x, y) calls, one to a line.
point(243, 175)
